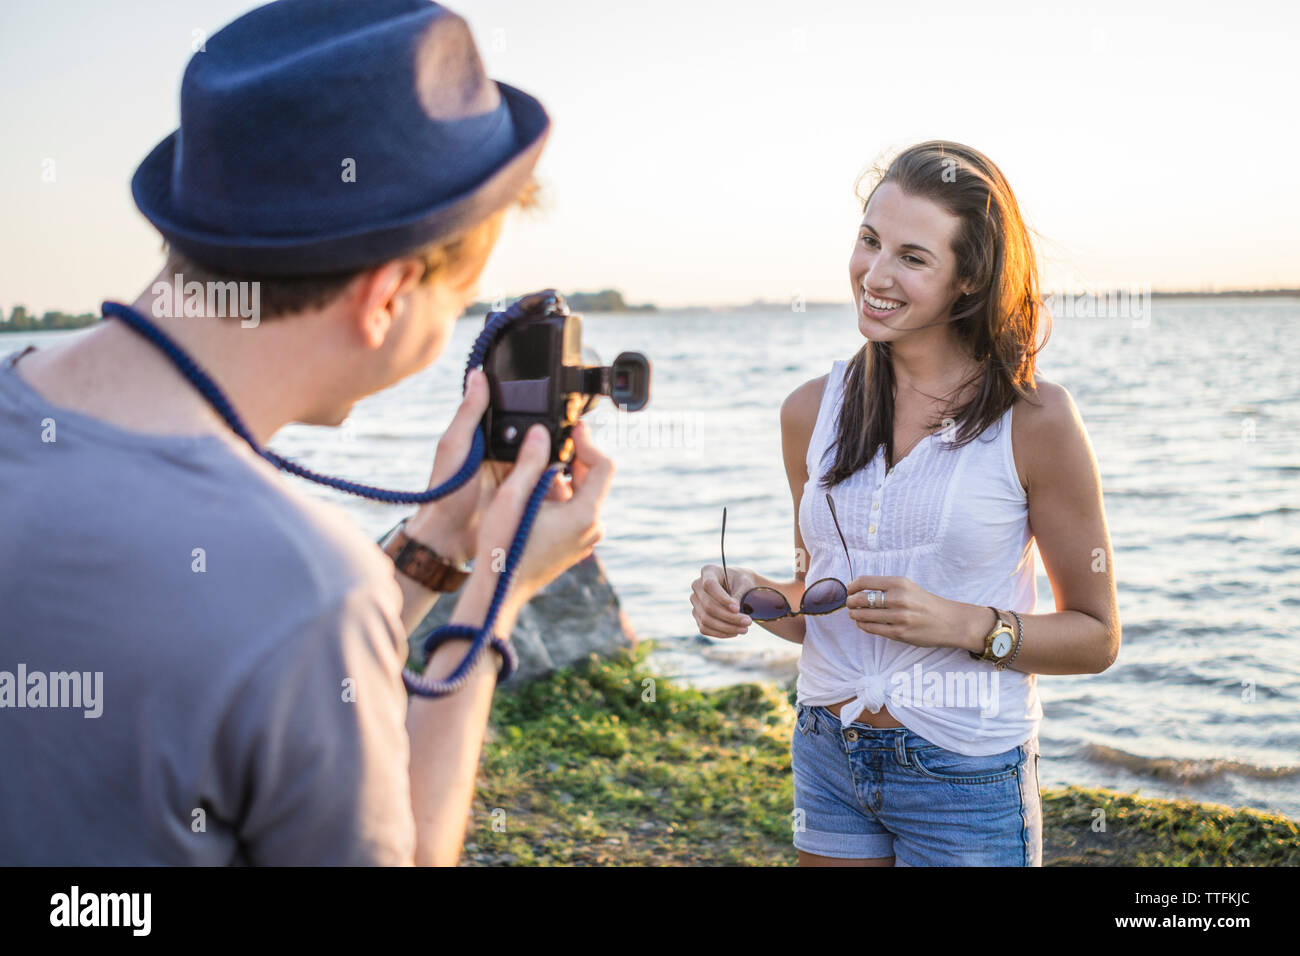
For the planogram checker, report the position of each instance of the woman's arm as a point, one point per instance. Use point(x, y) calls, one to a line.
point(1067, 515)
point(798, 418)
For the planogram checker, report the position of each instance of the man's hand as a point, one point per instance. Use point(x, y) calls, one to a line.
point(567, 525)
point(450, 525)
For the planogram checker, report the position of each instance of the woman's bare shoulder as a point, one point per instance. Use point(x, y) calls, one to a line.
point(799, 410)
point(1041, 425)
point(798, 419)
point(1046, 405)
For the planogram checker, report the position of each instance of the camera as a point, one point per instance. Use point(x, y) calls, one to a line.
point(539, 372)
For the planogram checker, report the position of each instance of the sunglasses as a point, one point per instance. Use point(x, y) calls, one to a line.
point(769, 604)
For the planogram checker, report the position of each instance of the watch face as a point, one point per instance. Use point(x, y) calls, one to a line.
point(1002, 645)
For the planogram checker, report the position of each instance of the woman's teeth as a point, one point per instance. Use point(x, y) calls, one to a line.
point(881, 305)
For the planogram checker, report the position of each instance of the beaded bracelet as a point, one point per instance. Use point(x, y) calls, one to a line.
point(1020, 636)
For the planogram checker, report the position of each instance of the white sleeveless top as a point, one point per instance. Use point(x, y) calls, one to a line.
point(953, 520)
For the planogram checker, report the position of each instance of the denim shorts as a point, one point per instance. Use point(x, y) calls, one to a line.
point(863, 792)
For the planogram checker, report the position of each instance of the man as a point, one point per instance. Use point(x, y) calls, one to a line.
point(234, 645)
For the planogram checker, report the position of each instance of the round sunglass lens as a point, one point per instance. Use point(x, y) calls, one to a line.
point(765, 604)
point(825, 596)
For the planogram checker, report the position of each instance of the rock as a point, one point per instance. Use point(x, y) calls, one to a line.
point(577, 614)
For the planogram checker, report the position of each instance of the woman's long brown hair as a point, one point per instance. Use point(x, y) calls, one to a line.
point(998, 323)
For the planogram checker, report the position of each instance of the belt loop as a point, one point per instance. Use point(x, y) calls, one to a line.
point(900, 746)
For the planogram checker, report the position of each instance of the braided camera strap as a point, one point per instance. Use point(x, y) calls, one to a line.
point(482, 638)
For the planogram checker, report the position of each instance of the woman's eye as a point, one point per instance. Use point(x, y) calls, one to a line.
point(871, 241)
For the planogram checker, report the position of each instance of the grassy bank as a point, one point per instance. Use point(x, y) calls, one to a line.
point(607, 764)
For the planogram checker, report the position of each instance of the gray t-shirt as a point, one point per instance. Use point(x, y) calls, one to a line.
point(225, 653)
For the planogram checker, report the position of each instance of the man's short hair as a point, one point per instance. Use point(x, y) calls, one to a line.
point(456, 259)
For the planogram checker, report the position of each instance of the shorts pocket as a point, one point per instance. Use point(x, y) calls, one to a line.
point(806, 722)
point(952, 767)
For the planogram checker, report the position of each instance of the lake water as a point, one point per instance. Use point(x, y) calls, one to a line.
point(1193, 412)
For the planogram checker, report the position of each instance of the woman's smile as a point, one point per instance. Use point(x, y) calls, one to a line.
point(879, 308)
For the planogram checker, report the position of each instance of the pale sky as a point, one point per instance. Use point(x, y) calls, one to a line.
point(705, 151)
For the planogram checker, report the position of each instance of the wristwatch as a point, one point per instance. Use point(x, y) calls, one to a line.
point(421, 563)
point(998, 643)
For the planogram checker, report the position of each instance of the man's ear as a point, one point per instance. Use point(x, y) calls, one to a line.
point(378, 293)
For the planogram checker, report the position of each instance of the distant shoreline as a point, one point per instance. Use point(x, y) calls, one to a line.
point(767, 305)
point(611, 301)
point(1248, 294)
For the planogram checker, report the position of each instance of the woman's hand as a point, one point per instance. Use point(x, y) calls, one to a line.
point(450, 525)
point(717, 611)
point(911, 614)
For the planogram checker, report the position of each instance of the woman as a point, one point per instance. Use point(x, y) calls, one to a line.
point(940, 457)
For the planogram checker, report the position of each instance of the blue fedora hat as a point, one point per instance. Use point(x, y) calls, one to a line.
point(323, 136)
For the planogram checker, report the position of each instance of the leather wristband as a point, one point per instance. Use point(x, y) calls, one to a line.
point(421, 563)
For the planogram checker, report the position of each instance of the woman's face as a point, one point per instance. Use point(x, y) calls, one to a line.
point(903, 260)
